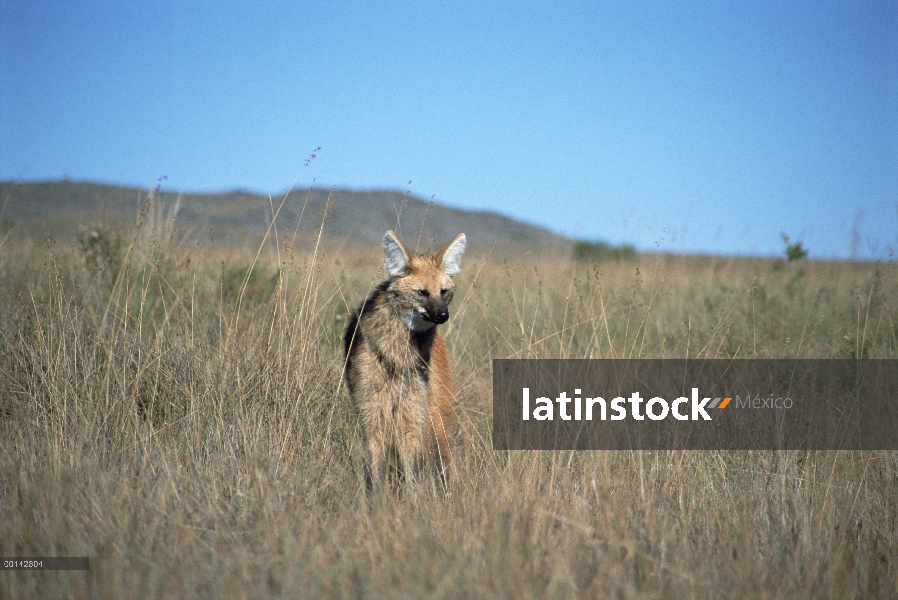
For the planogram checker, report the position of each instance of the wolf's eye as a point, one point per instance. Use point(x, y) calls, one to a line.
point(423, 293)
point(443, 292)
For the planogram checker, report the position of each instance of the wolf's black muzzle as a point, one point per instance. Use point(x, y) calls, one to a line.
point(439, 316)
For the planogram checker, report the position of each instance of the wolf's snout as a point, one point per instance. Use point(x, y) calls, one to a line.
point(440, 316)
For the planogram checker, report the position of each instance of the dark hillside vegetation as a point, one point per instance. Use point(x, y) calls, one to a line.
point(62, 207)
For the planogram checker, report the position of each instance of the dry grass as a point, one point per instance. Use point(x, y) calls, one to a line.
point(178, 416)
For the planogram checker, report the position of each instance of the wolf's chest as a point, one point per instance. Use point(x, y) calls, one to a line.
point(400, 378)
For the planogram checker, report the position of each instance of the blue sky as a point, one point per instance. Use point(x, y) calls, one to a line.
point(696, 127)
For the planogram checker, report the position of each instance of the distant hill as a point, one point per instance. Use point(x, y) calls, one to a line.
point(63, 207)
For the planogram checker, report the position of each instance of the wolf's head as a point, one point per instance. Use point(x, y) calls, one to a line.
point(421, 286)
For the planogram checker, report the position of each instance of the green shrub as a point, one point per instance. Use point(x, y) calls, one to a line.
point(599, 251)
point(102, 250)
point(793, 251)
point(260, 282)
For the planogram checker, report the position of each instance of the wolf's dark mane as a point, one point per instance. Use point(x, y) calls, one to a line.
point(422, 340)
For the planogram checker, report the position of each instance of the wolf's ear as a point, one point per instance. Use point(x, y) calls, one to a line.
point(397, 256)
point(452, 255)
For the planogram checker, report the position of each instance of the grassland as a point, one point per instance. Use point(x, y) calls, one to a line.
point(176, 413)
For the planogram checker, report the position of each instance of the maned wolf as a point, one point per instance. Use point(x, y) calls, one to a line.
point(397, 367)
